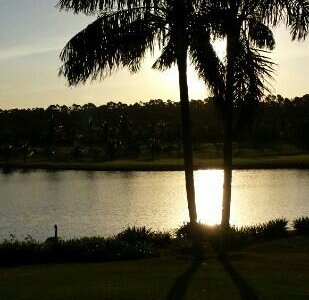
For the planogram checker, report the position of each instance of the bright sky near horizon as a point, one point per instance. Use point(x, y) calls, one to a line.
point(34, 32)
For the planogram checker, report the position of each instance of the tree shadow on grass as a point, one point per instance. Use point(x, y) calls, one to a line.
point(180, 287)
point(246, 291)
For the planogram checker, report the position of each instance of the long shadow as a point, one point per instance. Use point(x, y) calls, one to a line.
point(246, 291)
point(180, 287)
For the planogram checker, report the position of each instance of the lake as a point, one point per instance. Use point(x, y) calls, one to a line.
point(103, 203)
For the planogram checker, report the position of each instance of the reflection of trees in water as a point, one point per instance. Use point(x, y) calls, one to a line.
point(91, 175)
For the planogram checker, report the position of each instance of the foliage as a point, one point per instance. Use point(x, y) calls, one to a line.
point(140, 242)
point(235, 238)
point(19, 251)
point(301, 226)
point(133, 235)
point(120, 130)
point(132, 243)
point(273, 270)
point(125, 32)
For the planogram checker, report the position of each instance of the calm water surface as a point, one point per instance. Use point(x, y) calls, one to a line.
point(103, 203)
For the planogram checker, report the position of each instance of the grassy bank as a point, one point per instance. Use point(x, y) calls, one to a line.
point(269, 162)
point(135, 243)
point(272, 270)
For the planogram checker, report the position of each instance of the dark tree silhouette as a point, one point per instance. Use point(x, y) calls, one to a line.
point(247, 27)
point(121, 36)
point(279, 123)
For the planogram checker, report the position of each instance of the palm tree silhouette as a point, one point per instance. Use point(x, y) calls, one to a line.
point(126, 29)
point(121, 36)
point(247, 27)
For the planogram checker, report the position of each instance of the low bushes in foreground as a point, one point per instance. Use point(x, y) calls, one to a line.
point(140, 242)
point(235, 238)
point(132, 243)
point(301, 226)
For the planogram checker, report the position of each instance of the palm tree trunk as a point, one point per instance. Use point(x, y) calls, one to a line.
point(187, 141)
point(186, 130)
point(227, 165)
point(232, 41)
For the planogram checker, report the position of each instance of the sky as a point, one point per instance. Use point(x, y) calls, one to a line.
point(33, 32)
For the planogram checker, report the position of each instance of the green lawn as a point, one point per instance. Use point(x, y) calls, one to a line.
point(274, 270)
point(170, 164)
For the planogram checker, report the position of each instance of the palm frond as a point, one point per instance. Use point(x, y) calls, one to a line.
point(253, 71)
point(272, 12)
point(214, 17)
point(167, 58)
point(206, 62)
point(97, 6)
point(114, 40)
point(298, 20)
point(260, 35)
point(294, 13)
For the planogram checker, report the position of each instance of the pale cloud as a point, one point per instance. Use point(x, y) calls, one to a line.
point(24, 51)
point(37, 48)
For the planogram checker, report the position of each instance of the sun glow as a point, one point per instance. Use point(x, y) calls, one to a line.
point(220, 48)
point(208, 188)
point(197, 88)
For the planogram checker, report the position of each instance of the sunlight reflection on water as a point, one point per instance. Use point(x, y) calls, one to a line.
point(104, 203)
point(208, 189)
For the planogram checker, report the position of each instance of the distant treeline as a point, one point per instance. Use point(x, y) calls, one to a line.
point(126, 129)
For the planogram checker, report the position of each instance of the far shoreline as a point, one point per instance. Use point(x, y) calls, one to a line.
point(175, 164)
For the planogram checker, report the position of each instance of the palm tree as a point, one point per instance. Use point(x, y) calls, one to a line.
point(121, 36)
point(247, 27)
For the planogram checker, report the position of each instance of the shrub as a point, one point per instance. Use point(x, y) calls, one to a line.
point(200, 230)
point(235, 238)
point(143, 241)
point(273, 229)
point(142, 234)
point(24, 251)
point(301, 225)
point(193, 237)
point(135, 234)
point(132, 243)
